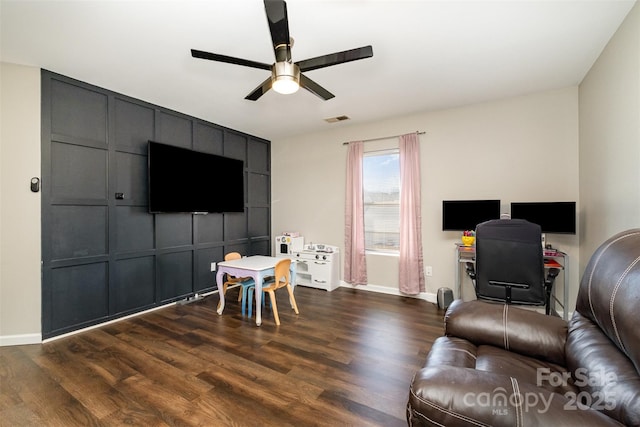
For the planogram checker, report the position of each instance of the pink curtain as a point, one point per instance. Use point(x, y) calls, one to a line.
point(410, 263)
point(355, 265)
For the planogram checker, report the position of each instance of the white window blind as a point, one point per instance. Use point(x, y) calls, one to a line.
point(381, 182)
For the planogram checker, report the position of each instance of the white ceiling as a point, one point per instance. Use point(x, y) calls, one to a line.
point(428, 54)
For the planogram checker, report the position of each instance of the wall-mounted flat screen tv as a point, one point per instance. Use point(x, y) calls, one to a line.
point(183, 180)
point(461, 215)
point(553, 217)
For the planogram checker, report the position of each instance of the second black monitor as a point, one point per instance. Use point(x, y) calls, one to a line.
point(553, 217)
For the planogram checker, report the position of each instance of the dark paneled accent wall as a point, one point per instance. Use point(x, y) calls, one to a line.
point(103, 257)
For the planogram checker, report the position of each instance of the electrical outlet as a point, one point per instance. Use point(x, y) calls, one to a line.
point(429, 270)
point(213, 266)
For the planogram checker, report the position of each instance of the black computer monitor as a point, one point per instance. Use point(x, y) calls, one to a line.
point(461, 215)
point(553, 217)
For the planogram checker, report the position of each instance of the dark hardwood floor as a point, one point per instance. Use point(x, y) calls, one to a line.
point(346, 360)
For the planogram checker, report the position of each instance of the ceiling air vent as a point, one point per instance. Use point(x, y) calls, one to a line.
point(337, 119)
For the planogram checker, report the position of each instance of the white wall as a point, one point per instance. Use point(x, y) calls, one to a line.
point(519, 149)
point(610, 139)
point(19, 207)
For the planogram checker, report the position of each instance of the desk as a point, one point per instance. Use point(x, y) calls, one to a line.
point(256, 267)
point(555, 259)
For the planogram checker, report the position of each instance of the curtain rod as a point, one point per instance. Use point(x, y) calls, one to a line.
point(385, 137)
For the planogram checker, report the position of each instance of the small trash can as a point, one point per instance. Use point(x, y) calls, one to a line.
point(445, 298)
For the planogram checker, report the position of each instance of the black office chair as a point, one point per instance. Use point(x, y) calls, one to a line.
point(509, 264)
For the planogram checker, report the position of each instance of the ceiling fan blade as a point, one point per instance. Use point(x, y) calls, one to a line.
point(260, 90)
point(335, 58)
point(315, 88)
point(229, 59)
point(279, 27)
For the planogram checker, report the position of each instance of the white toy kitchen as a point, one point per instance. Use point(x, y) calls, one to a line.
point(318, 265)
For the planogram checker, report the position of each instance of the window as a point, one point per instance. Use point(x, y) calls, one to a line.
point(381, 182)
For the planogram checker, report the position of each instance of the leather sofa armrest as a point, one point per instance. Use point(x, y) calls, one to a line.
point(452, 396)
point(522, 331)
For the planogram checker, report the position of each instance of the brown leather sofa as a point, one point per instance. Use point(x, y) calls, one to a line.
point(498, 365)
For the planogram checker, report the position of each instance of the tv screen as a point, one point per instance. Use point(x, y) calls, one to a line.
point(461, 215)
point(553, 217)
point(183, 180)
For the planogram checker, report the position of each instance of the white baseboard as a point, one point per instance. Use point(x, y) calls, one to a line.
point(108, 322)
point(37, 338)
point(427, 296)
point(21, 339)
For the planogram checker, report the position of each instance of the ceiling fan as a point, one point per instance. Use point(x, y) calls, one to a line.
point(286, 76)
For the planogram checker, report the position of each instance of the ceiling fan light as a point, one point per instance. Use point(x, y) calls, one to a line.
point(285, 85)
point(285, 78)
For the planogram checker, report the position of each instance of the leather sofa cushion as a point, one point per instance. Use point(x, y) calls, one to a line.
point(607, 379)
point(452, 396)
point(547, 375)
point(457, 352)
point(452, 351)
point(609, 293)
point(500, 325)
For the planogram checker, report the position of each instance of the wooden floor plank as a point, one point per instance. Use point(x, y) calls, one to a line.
point(346, 359)
point(44, 396)
point(71, 372)
point(160, 400)
point(181, 383)
point(240, 367)
point(19, 415)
